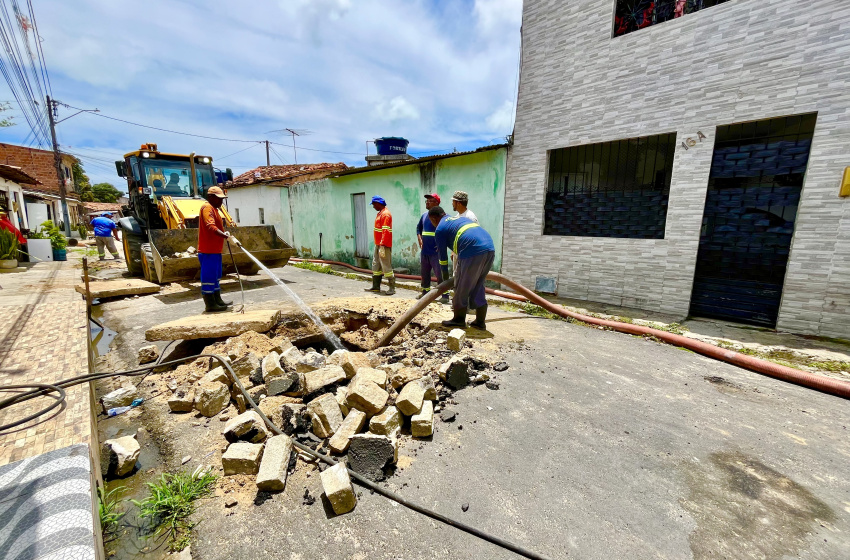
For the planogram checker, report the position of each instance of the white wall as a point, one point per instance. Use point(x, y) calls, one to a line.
point(14, 193)
point(249, 199)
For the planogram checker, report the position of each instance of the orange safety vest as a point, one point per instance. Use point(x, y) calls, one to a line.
point(384, 228)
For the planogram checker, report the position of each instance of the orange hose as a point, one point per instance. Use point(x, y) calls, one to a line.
point(815, 381)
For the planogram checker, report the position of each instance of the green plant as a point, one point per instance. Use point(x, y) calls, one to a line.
point(82, 230)
point(107, 509)
point(171, 502)
point(8, 246)
point(54, 233)
point(323, 268)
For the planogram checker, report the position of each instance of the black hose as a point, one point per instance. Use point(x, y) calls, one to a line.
point(241, 289)
point(324, 458)
point(47, 388)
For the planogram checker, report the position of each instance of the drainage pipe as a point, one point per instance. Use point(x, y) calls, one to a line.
point(814, 381)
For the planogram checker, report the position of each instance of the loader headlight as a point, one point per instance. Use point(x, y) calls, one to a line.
point(206, 160)
point(145, 155)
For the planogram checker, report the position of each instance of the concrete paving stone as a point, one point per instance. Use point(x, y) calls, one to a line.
point(123, 396)
point(386, 423)
point(404, 375)
point(282, 344)
point(290, 357)
point(369, 454)
point(148, 354)
point(274, 466)
point(218, 374)
point(325, 415)
point(353, 423)
point(118, 288)
point(211, 398)
point(283, 383)
point(367, 396)
point(247, 367)
point(410, 398)
point(217, 325)
point(242, 458)
point(456, 340)
point(310, 361)
point(422, 423)
point(271, 365)
point(119, 456)
point(353, 361)
point(375, 375)
point(248, 426)
point(335, 359)
point(317, 379)
point(337, 486)
point(342, 398)
point(182, 400)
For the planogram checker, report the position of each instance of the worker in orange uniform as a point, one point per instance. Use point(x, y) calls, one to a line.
point(382, 262)
point(211, 238)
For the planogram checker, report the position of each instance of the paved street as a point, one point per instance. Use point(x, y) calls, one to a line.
point(597, 445)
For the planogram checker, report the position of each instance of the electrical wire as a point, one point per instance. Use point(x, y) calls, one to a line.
point(239, 152)
point(280, 157)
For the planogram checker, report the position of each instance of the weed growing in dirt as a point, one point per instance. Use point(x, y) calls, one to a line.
point(674, 328)
point(323, 268)
point(172, 502)
point(107, 509)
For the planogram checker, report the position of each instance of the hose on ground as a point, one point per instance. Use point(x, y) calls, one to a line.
point(59, 386)
point(810, 380)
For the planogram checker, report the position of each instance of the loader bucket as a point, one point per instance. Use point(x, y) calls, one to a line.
point(261, 241)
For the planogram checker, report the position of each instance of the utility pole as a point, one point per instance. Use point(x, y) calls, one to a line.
point(294, 134)
point(268, 161)
point(57, 160)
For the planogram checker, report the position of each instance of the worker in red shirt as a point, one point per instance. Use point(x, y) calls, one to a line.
point(211, 238)
point(382, 262)
point(7, 224)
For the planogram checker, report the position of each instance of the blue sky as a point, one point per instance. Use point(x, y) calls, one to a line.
point(442, 74)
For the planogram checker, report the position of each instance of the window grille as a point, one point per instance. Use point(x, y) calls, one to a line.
point(610, 189)
point(631, 15)
point(262, 216)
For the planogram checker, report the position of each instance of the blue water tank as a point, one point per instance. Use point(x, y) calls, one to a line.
point(391, 146)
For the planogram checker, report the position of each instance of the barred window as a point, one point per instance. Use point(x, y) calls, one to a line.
point(631, 15)
point(610, 189)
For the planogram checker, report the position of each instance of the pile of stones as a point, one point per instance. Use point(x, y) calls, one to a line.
point(352, 404)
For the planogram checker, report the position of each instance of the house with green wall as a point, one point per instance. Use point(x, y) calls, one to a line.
point(332, 216)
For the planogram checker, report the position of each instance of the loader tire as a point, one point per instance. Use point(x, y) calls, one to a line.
point(132, 253)
point(148, 267)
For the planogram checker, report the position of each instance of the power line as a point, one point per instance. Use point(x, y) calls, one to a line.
point(234, 153)
point(280, 157)
point(315, 150)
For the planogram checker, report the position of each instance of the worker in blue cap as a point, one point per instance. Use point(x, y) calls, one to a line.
point(382, 262)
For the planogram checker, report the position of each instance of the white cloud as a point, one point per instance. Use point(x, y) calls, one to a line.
point(502, 119)
point(395, 110)
point(437, 73)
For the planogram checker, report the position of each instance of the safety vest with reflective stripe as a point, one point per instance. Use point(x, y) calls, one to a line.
point(426, 229)
point(384, 228)
point(463, 236)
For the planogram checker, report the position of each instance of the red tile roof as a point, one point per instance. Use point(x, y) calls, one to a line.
point(287, 174)
point(101, 206)
point(17, 175)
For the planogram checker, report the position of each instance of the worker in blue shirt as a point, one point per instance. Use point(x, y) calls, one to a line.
point(475, 253)
point(104, 231)
point(428, 260)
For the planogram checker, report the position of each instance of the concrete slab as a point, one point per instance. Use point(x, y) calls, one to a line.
point(117, 288)
point(214, 325)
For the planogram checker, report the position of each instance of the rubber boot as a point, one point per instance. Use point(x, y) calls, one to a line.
point(459, 320)
point(424, 293)
point(480, 315)
point(376, 284)
point(220, 301)
point(391, 291)
point(212, 305)
point(445, 299)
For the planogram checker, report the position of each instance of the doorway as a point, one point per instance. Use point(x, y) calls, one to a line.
point(751, 205)
point(361, 232)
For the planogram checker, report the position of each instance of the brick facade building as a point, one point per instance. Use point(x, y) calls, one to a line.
point(685, 160)
point(39, 164)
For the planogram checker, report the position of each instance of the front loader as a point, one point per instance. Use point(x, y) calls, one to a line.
point(160, 224)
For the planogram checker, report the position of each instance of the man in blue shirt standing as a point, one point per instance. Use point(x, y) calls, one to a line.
point(428, 259)
point(104, 231)
point(475, 254)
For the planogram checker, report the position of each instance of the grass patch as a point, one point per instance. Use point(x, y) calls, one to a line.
point(107, 509)
point(322, 268)
point(172, 502)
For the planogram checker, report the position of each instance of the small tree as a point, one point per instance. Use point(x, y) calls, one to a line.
point(81, 182)
point(106, 192)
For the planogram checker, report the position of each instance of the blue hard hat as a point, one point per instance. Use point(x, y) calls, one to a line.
point(379, 200)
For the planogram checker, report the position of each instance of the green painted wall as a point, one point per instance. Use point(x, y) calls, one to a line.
point(327, 207)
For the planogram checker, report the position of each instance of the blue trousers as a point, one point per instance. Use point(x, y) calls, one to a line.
point(211, 271)
point(470, 275)
point(429, 264)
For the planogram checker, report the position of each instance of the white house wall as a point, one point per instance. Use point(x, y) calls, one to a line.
point(743, 60)
point(250, 199)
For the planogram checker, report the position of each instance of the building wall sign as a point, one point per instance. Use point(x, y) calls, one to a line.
point(688, 143)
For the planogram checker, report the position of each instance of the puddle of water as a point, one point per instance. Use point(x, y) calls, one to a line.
point(102, 336)
point(329, 335)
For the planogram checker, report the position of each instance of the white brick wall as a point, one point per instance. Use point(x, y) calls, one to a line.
point(740, 61)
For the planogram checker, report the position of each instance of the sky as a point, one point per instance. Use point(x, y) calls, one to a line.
point(442, 74)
